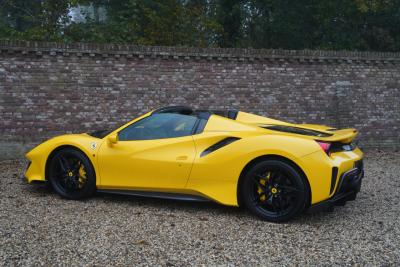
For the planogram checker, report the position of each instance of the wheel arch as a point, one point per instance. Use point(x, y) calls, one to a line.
point(258, 159)
point(55, 150)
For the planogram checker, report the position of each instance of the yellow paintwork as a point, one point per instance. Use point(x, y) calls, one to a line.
point(174, 164)
point(82, 176)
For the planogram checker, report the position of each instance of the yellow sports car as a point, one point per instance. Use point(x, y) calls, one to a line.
point(274, 168)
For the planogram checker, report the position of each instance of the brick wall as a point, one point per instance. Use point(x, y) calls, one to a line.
point(47, 89)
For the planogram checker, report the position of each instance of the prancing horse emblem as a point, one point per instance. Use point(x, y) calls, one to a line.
point(93, 145)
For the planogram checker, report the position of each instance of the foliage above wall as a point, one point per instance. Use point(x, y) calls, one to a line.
point(301, 24)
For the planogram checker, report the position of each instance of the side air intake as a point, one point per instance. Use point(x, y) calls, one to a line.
point(218, 145)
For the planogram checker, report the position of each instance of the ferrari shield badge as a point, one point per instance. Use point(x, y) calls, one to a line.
point(93, 145)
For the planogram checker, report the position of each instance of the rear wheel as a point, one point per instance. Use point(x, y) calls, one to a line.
point(275, 191)
point(71, 174)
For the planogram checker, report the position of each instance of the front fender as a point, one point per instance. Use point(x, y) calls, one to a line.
point(39, 155)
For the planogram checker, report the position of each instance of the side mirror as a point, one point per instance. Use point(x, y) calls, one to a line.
point(112, 139)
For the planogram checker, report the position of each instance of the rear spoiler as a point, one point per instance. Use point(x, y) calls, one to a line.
point(343, 136)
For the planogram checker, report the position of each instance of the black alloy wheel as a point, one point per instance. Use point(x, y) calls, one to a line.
point(275, 191)
point(71, 174)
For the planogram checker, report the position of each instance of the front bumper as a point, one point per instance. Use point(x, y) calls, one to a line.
point(347, 189)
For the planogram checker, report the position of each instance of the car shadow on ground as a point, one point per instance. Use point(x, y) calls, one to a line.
point(213, 208)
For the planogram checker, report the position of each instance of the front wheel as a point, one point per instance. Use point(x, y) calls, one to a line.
point(275, 191)
point(71, 174)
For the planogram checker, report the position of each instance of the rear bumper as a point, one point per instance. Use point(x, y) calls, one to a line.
point(347, 189)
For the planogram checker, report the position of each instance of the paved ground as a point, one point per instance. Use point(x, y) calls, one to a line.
point(39, 228)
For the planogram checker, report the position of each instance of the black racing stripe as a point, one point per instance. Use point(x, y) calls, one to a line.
point(218, 145)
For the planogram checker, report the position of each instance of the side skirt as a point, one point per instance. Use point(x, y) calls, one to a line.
point(161, 195)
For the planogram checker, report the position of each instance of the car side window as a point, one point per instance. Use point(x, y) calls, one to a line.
point(159, 126)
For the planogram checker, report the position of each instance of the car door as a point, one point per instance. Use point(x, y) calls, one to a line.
point(156, 152)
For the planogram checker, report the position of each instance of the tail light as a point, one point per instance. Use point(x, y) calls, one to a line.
point(325, 146)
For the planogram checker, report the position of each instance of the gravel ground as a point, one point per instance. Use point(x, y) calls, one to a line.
point(39, 228)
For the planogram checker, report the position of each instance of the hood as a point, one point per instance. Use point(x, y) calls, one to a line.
point(99, 133)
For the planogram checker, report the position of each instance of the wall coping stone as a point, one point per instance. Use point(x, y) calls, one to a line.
point(165, 52)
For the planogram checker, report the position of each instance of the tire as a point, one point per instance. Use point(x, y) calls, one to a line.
point(71, 174)
point(274, 191)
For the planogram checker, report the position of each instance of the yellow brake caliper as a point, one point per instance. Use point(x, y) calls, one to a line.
point(263, 182)
point(82, 176)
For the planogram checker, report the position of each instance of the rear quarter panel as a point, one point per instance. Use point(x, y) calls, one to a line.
point(216, 174)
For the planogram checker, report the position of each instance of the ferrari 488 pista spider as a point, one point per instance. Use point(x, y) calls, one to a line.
point(274, 168)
